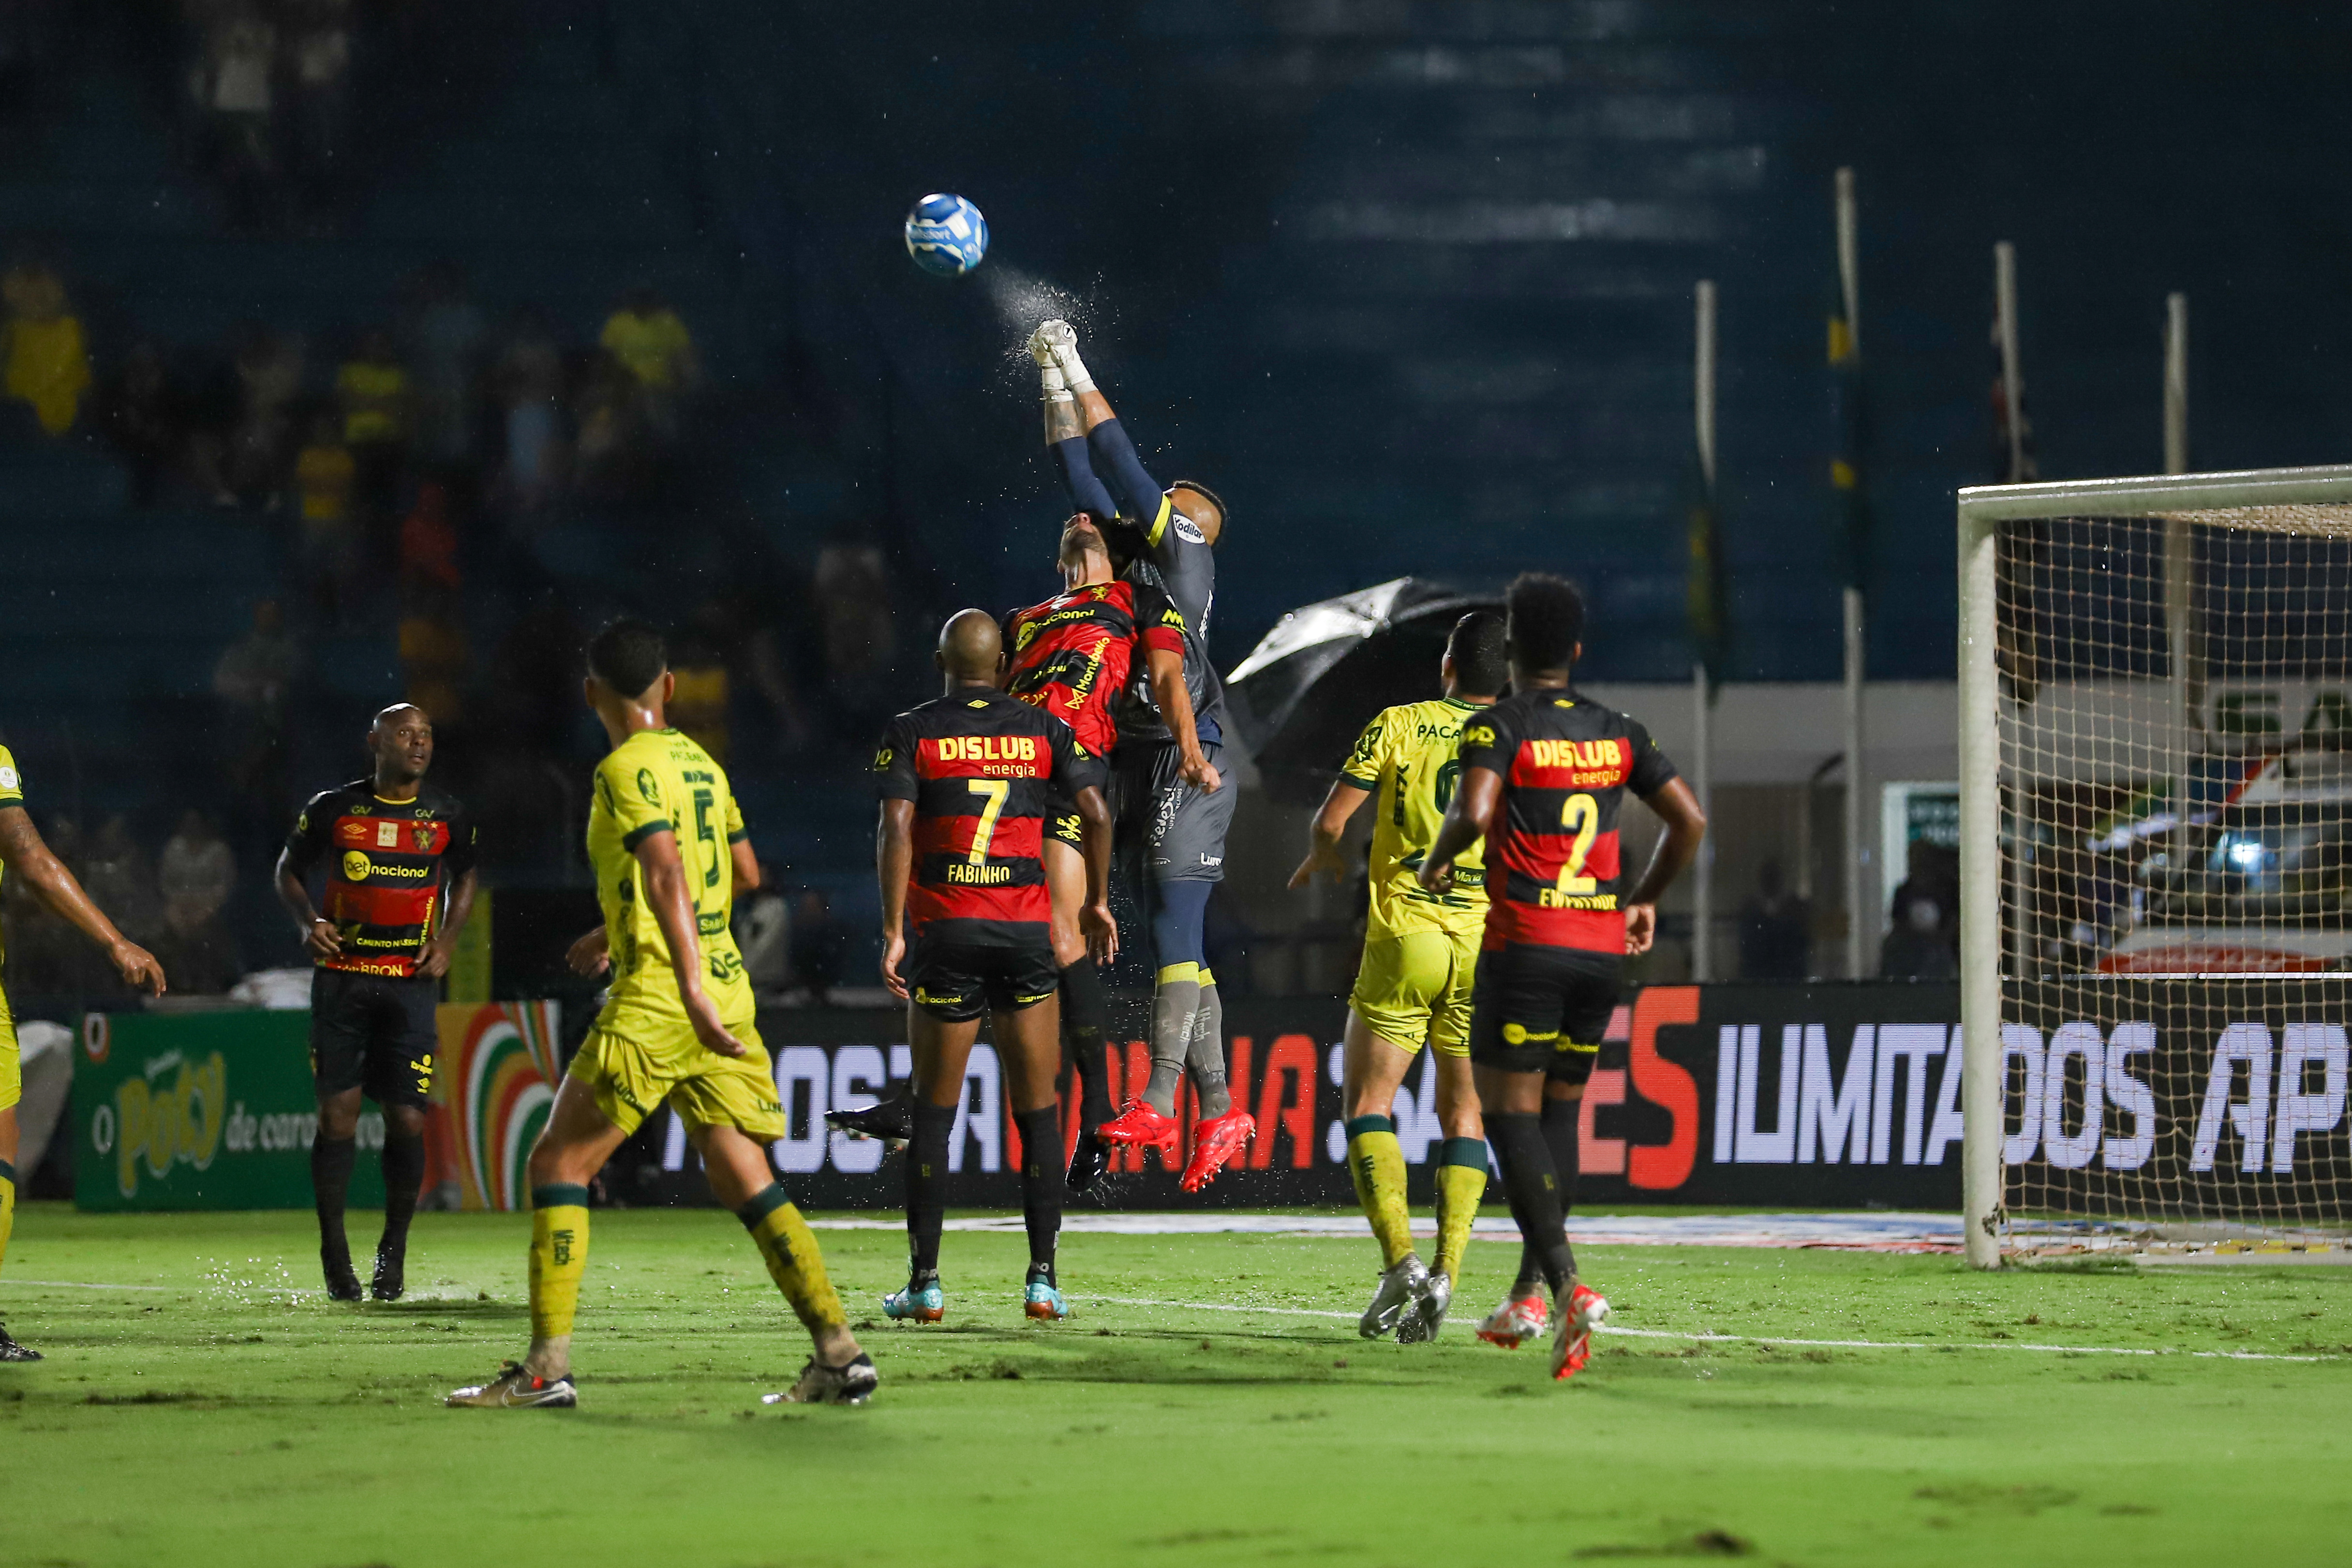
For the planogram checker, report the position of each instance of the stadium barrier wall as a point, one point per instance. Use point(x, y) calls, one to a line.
point(1829, 1096)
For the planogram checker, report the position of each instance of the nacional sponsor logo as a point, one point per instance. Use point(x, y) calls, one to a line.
point(989, 748)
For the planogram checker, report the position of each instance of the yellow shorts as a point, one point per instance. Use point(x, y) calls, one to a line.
point(12, 1066)
point(1416, 987)
point(633, 1076)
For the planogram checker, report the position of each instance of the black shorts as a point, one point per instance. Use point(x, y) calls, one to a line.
point(1543, 1009)
point(373, 1033)
point(1062, 823)
point(957, 982)
point(1167, 830)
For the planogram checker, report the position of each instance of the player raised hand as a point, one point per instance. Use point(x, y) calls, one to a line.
point(1059, 340)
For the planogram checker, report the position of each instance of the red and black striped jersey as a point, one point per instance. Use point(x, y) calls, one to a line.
point(1072, 655)
point(982, 768)
point(1552, 865)
point(387, 861)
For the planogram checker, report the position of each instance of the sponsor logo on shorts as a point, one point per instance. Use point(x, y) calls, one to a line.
point(1520, 1034)
point(932, 999)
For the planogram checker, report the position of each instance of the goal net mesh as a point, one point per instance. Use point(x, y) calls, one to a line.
point(2176, 863)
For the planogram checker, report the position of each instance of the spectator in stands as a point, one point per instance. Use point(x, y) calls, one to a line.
point(820, 947)
point(142, 413)
point(234, 84)
point(196, 948)
point(46, 359)
point(269, 368)
point(853, 594)
point(194, 870)
point(318, 76)
point(429, 543)
point(530, 390)
point(445, 350)
point(253, 681)
point(324, 475)
point(653, 346)
point(433, 653)
point(373, 392)
point(1917, 949)
point(120, 881)
point(610, 446)
point(1775, 930)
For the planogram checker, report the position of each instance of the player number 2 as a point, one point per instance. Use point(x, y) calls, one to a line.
point(996, 792)
point(1581, 817)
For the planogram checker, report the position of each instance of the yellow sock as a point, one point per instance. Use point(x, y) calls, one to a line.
point(1461, 1182)
point(1376, 1160)
point(7, 1205)
point(789, 1248)
point(559, 1256)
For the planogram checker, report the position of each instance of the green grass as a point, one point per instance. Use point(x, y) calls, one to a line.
point(235, 1418)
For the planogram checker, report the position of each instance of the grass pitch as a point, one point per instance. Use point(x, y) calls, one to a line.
point(234, 1417)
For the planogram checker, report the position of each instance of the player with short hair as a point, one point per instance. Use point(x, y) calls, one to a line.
point(400, 882)
point(667, 846)
point(966, 782)
point(1171, 810)
point(22, 851)
point(1544, 773)
point(1421, 951)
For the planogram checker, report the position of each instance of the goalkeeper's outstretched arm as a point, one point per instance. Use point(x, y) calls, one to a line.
point(1130, 484)
point(1065, 432)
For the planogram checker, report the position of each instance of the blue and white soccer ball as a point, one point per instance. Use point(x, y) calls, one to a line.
point(946, 235)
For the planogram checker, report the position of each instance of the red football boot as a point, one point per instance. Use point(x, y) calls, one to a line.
point(1216, 1140)
point(1142, 1126)
point(1572, 1343)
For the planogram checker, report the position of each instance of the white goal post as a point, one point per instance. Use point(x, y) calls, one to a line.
point(2155, 857)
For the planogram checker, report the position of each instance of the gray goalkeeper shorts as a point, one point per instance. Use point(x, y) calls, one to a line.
point(1167, 830)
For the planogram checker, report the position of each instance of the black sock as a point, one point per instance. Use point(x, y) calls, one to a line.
point(331, 1184)
point(1561, 1121)
point(1084, 1018)
point(1533, 1188)
point(403, 1180)
point(1041, 1183)
point(927, 1179)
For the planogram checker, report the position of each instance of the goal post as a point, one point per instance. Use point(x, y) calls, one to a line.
point(2155, 857)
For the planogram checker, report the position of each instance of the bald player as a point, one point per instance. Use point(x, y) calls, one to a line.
point(966, 782)
point(396, 856)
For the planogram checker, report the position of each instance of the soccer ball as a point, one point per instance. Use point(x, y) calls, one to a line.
point(946, 235)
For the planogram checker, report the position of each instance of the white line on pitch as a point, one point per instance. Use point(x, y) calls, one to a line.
point(78, 1284)
point(1756, 1339)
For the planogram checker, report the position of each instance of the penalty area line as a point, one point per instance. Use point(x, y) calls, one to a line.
point(1754, 1339)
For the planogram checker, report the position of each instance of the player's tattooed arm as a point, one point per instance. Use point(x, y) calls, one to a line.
point(1323, 834)
point(435, 961)
point(894, 867)
point(1686, 826)
point(1467, 820)
point(673, 911)
point(22, 851)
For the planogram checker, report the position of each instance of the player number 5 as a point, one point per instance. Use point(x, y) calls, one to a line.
point(995, 792)
point(1581, 817)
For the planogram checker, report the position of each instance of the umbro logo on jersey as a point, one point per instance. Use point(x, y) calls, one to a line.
point(976, 702)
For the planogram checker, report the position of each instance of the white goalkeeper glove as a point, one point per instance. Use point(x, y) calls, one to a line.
point(1054, 386)
point(1061, 339)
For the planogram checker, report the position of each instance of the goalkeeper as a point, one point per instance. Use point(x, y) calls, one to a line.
point(1173, 812)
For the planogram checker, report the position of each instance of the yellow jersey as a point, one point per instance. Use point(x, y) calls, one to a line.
point(12, 792)
point(658, 781)
point(1407, 754)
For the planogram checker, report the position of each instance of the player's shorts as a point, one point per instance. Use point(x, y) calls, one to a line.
point(12, 1065)
point(1417, 986)
point(1544, 1009)
point(1062, 823)
point(1169, 830)
point(373, 1033)
point(957, 982)
point(638, 1068)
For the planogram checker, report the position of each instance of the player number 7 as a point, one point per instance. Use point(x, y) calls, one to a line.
point(1581, 817)
point(997, 792)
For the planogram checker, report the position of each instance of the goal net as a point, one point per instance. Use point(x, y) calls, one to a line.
point(2157, 881)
